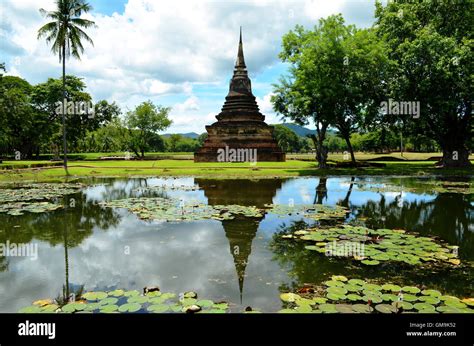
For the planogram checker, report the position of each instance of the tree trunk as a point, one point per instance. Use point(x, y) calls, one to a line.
point(64, 109)
point(455, 154)
point(321, 191)
point(321, 150)
point(349, 146)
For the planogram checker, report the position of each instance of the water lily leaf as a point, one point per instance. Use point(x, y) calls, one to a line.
point(353, 288)
point(370, 262)
point(410, 297)
point(304, 301)
point(357, 282)
point(319, 300)
point(335, 283)
point(411, 289)
point(327, 308)
point(166, 296)
point(92, 306)
point(130, 307)
point(448, 309)
point(190, 294)
point(213, 311)
point(339, 278)
point(131, 293)
point(49, 308)
point(455, 303)
point(205, 303)
point(72, 307)
point(433, 293)
point(333, 296)
point(116, 293)
point(94, 295)
point(337, 290)
point(109, 308)
point(389, 297)
point(375, 299)
point(403, 305)
point(385, 308)
point(30, 309)
point(344, 308)
point(222, 306)
point(391, 287)
point(372, 287)
point(289, 297)
point(362, 308)
point(429, 299)
point(138, 299)
point(109, 300)
point(305, 308)
point(158, 308)
point(424, 306)
point(353, 297)
point(449, 298)
point(188, 301)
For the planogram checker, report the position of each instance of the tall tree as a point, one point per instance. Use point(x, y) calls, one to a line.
point(432, 44)
point(336, 74)
point(65, 31)
point(144, 122)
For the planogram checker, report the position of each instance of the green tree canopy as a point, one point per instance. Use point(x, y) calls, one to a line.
point(143, 124)
point(431, 43)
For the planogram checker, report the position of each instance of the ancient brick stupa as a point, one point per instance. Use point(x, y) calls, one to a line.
point(240, 127)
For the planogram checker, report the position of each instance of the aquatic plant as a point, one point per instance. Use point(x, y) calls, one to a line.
point(343, 295)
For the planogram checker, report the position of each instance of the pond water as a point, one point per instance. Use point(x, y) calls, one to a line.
point(243, 261)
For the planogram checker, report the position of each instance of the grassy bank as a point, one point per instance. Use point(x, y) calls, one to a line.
point(182, 167)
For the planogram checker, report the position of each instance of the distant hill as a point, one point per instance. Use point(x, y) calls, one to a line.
point(303, 131)
point(299, 130)
point(192, 135)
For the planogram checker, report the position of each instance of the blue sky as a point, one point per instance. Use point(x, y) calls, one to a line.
point(176, 53)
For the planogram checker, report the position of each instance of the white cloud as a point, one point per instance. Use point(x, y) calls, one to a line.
point(158, 48)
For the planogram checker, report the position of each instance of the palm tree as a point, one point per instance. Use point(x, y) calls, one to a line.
point(65, 31)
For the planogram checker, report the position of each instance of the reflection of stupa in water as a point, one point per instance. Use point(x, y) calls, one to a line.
point(242, 230)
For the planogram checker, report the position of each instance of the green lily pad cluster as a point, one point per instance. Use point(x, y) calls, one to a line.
point(310, 211)
point(33, 198)
point(378, 246)
point(38, 192)
point(423, 186)
point(19, 208)
point(173, 210)
point(121, 301)
point(343, 295)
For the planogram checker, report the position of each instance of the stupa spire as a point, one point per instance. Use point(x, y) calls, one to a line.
point(240, 63)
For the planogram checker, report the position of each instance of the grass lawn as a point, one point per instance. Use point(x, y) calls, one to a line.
point(182, 166)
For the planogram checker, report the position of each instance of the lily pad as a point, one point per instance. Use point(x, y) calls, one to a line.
point(109, 308)
point(411, 289)
point(289, 297)
point(158, 308)
point(424, 306)
point(94, 295)
point(130, 307)
point(385, 308)
point(362, 308)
